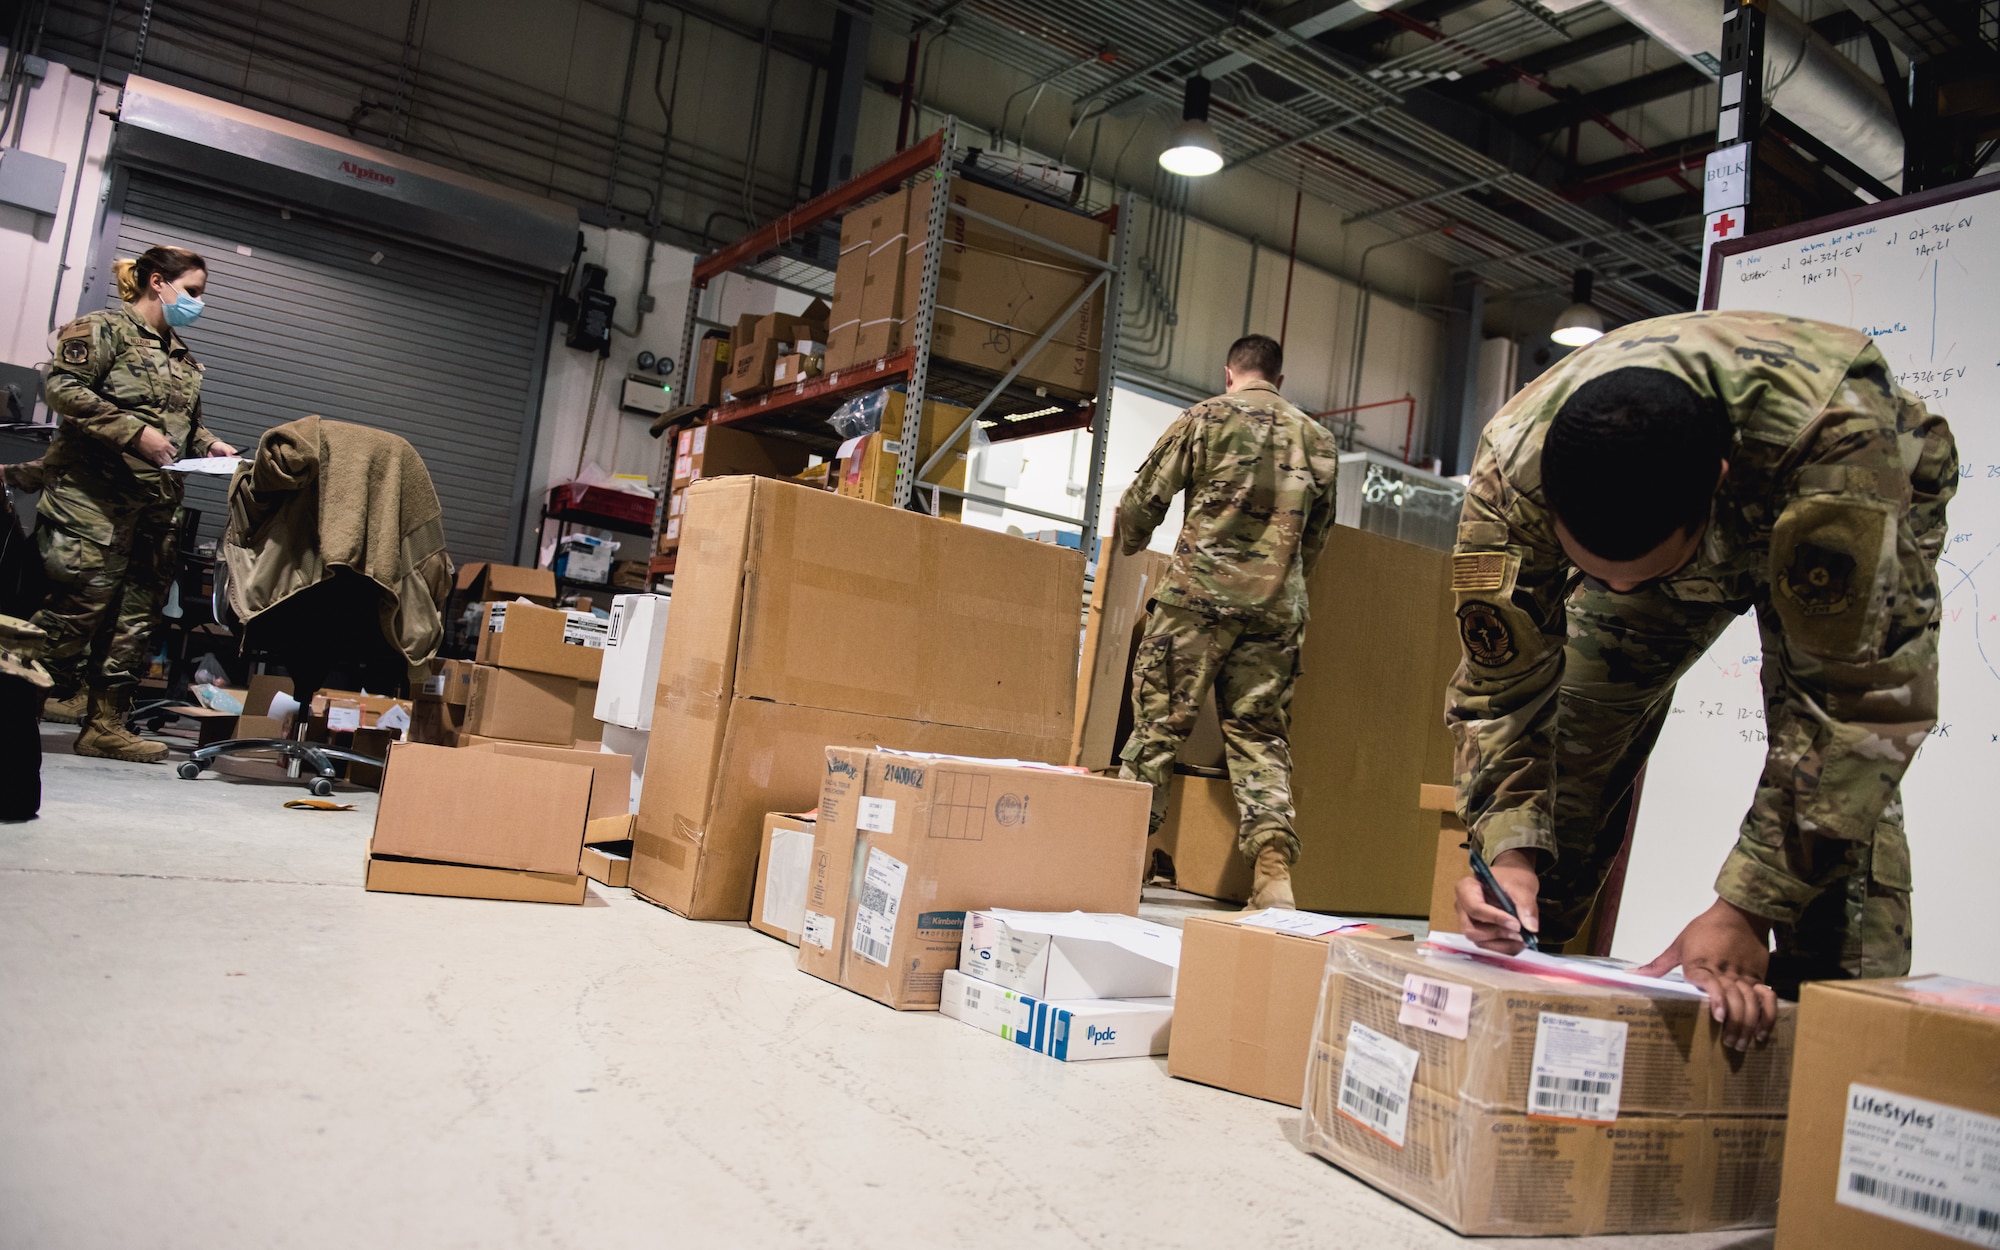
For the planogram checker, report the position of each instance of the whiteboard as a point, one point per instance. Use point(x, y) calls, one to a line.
point(1922, 276)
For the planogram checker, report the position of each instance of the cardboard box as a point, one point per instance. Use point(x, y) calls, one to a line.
point(522, 707)
point(392, 875)
point(586, 729)
point(630, 677)
point(1070, 955)
point(722, 450)
point(759, 341)
point(633, 742)
point(1105, 1028)
point(769, 660)
point(1247, 998)
point(1119, 596)
point(348, 710)
point(1197, 841)
point(458, 681)
point(711, 368)
point(848, 275)
point(869, 472)
point(1895, 1117)
point(484, 806)
point(481, 582)
point(778, 906)
point(606, 865)
point(794, 368)
point(609, 778)
point(1452, 863)
point(543, 640)
point(1503, 1102)
point(951, 835)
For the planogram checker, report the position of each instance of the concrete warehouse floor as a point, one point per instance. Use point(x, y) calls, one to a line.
point(213, 1037)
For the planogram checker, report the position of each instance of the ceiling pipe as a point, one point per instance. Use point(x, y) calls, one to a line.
point(1805, 78)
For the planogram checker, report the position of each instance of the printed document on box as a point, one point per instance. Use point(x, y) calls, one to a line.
point(1375, 1082)
point(1579, 1068)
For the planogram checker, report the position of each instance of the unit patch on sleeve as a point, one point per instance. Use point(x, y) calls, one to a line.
point(1488, 642)
point(76, 351)
point(1819, 580)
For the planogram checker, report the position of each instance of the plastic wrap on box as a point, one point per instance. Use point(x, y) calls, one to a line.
point(1502, 1102)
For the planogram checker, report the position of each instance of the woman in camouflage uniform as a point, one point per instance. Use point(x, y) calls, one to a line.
point(130, 399)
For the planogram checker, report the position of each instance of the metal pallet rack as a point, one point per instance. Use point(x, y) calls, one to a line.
point(1009, 408)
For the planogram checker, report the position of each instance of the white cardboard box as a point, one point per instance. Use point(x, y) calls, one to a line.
point(626, 684)
point(1070, 955)
point(619, 740)
point(1106, 1028)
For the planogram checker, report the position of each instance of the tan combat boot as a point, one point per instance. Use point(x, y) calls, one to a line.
point(70, 711)
point(105, 736)
point(1270, 881)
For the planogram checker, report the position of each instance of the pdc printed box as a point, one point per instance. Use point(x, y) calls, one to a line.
point(1895, 1117)
point(1080, 1029)
point(1502, 1097)
point(908, 843)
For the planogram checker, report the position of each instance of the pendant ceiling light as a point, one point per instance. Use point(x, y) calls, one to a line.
point(1580, 322)
point(1194, 150)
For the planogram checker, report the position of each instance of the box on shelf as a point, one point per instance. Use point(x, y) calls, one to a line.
point(348, 710)
point(478, 808)
point(629, 680)
point(842, 340)
point(1247, 997)
point(606, 864)
point(778, 906)
point(796, 367)
point(755, 347)
point(951, 834)
point(711, 368)
point(815, 476)
point(1500, 1101)
point(1895, 1116)
point(585, 557)
point(1103, 1028)
point(534, 639)
point(522, 706)
point(484, 582)
point(853, 625)
point(724, 451)
point(1070, 955)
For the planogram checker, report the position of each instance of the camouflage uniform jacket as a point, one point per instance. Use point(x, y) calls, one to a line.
point(1830, 520)
point(112, 376)
point(1258, 475)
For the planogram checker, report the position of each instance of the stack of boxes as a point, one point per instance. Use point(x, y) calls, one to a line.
point(536, 676)
point(762, 342)
point(1069, 985)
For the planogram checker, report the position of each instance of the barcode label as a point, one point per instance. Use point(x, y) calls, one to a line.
point(1375, 1078)
point(496, 621)
point(1578, 1069)
point(1437, 1006)
point(1926, 1164)
point(881, 899)
point(583, 629)
point(818, 930)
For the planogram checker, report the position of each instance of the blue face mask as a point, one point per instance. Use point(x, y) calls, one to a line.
point(183, 311)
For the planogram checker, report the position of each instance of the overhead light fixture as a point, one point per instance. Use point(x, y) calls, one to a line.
point(1580, 323)
point(1194, 150)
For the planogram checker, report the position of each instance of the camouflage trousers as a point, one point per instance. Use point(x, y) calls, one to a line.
point(109, 562)
point(1624, 656)
point(1251, 667)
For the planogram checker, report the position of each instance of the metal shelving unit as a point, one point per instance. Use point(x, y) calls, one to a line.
point(1000, 403)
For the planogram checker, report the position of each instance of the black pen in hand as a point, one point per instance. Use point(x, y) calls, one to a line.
point(1497, 896)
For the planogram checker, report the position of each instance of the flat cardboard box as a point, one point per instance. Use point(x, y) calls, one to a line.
point(778, 907)
point(1070, 955)
point(1247, 998)
point(630, 678)
point(482, 806)
point(1895, 1116)
point(393, 875)
point(605, 865)
point(784, 599)
point(1198, 839)
point(1644, 1122)
point(604, 830)
point(951, 835)
point(521, 706)
point(481, 582)
point(1082, 1029)
point(543, 640)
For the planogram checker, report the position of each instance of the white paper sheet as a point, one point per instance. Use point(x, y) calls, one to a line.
point(221, 466)
point(1556, 965)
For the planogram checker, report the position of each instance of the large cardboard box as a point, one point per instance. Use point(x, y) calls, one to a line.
point(721, 450)
point(1196, 843)
point(543, 640)
point(1119, 596)
point(1503, 1101)
point(523, 707)
point(950, 835)
point(850, 271)
point(801, 620)
point(481, 581)
point(784, 865)
point(1248, 995)
point(1895, 1121)
point(1072, 1031)
point(485, 806)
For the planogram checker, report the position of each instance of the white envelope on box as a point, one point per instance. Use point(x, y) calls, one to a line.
point(1070, 955)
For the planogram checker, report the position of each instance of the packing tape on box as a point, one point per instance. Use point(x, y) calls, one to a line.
point(697, 695)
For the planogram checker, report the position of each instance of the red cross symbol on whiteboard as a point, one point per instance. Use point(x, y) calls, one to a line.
point(1723, 225)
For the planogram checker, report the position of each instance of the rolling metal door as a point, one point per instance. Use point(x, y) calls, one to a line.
point(307, 315)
